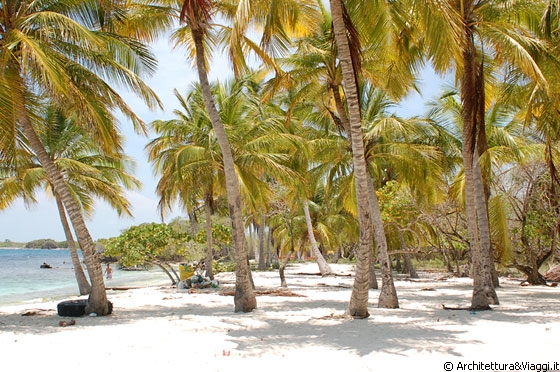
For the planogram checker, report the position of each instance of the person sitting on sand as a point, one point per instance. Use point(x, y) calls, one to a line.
point(109, 271)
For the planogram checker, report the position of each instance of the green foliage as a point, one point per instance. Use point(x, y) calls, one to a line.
point(9, 244)
point(221, 235)
point(223, 266)
point(43, 243)
point(148, 243)
point(395, 204)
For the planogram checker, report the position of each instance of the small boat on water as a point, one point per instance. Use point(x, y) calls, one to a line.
point(45, 265)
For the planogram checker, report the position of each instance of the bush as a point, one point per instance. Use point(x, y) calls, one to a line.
point(223, 266)
point(147, 243)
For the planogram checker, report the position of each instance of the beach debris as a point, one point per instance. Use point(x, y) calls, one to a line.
point(34, 312)
point(76, 308)
point(333, 316)
point(197, 282)
point(64, 323)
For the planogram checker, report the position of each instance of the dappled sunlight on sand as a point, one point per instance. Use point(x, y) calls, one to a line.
point(164, 327)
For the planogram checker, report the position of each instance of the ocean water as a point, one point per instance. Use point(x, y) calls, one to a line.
point(22, 280)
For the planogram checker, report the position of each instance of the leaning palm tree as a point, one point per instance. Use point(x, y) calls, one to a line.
point(197, 15)
point(57, 49)
point(88, 173)
point(278, 20)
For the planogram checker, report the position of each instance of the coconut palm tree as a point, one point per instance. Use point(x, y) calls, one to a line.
point(473, 28)
point(279, 21)
point(58, 50)
point(316, 66)
point(539, 104)
point(357, 307)
point(197, 15)
point(88, 173)
point(188, 160)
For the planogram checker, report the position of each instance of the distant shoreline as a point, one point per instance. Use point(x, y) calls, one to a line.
point(37, 248)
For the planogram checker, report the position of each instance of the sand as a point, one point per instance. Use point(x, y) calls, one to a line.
point(167, 329)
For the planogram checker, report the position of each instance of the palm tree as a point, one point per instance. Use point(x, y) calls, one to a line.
point(539, 104)
point(316, 66)
point(187, 158)
point(197, 15)
point(57, 50)
point(87, 171)
point(358, 301)
point(279, 21)
point(472, 27)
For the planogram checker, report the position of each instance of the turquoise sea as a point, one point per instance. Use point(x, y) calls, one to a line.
point(22, 280)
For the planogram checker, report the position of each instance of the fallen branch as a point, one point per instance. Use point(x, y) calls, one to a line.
point(36, 312)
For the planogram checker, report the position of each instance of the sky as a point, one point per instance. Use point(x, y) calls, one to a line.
point(21, 223)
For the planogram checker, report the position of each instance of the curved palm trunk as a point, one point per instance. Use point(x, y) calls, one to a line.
point(324, 267)
point(174, 279)
point(244, 298)
point(477, 217)
point(208, 261)
point(97, 301)
point(83, 284)
point(360, 290)
point(346, 125)
point(388, 295)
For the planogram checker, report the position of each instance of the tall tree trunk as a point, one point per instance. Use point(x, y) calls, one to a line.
point(209, 260)
point(481, 288)
point(97, 301)
point(481, 148)
point(484, 233)
point(408, 266)
point(270, 259)
point(388, 295)
point(372, 278)
point(244, 298)
point(360, 291)
point(262, 264)
point(345, 121)
point(324, 267)
point(83, 284)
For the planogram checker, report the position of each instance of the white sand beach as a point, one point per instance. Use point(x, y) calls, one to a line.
point(167, 329)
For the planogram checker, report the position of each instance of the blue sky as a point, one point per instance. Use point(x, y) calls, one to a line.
point(21, 224)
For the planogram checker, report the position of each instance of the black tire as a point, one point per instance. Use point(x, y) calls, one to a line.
point(77, 308)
